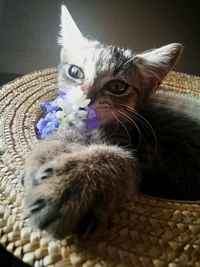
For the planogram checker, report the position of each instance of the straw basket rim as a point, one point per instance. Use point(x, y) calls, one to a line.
point(147, 231)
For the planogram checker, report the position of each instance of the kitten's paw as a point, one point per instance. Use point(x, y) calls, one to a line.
point(76, 192)
point(43, 153)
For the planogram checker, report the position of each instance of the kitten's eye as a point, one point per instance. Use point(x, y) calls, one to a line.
point(116, 87)
point(75, 72)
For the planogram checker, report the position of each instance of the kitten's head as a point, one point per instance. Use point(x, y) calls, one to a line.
point(116, 80)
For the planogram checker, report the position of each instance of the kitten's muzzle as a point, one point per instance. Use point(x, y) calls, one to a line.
point(92, 96)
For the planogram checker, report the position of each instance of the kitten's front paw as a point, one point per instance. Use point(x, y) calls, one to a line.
point(76, 192)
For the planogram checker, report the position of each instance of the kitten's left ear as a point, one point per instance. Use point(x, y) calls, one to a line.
point(154, 65)
point(70, 36)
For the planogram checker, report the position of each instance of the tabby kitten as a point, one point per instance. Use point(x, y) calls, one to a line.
point(74, 180)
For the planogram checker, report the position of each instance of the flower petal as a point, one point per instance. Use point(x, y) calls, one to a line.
point(91, 120)
point(60, 114)
point(85, 103)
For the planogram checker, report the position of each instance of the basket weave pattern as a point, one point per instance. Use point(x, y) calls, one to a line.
point(145, 231)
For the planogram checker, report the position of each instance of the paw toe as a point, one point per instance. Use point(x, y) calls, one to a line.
point(35, 207)
point(44, 173)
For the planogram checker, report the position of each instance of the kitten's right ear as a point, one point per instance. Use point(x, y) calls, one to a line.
point(154, 65)
point(70, 36)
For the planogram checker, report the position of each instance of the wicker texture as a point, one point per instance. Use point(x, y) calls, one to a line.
point(145, 232)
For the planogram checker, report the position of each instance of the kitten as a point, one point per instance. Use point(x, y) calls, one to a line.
point(75, 180)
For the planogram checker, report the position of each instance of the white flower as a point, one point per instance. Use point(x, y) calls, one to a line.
point(60, 114)
point(70, 105)
point(82, 114)
point(70, 117)
point(77, 98)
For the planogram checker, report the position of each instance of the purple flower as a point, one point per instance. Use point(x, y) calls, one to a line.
point(61, 92)
point(46, 126)
point(50, 121)
point(47, 107)
point(91, 120)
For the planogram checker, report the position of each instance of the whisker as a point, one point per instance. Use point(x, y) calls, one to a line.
point(148, 125)
point(143, 121)
point(129, 138)
point(127, 62)
point(135, 112)
point(116, 128)
point(135, 125)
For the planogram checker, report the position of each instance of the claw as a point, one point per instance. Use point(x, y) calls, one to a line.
point(22, 177)
point(45, 174)
point(35, 207)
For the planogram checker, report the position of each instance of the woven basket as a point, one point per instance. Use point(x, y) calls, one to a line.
point(145, 232)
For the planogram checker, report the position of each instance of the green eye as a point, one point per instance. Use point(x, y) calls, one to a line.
point(75, 72)
point(116, 87)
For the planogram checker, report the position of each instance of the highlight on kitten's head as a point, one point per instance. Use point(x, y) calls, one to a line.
point(114, 78)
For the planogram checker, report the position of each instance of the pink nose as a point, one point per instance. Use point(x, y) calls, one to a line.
point(84, 88)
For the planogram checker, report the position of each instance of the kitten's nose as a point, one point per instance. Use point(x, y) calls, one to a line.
point(91, 95)
point(89, 92)
point(84, 88)
point(94, 90)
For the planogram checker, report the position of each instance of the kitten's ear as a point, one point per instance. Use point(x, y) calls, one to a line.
point(154, 65)
point(70, 36)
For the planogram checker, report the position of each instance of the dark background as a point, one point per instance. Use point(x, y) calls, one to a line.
point(29, 29)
